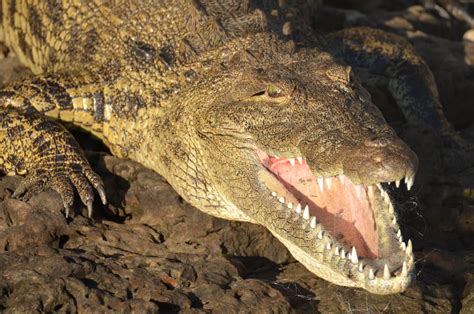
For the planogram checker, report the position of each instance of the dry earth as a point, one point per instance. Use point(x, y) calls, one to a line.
point(149, 250)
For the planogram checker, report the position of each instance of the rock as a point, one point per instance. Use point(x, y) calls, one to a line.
point(468, 295)
point(51, 264)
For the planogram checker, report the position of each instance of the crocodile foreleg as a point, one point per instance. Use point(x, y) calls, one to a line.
point(34, 145)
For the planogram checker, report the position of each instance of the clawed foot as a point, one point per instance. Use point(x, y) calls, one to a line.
point(62, 180)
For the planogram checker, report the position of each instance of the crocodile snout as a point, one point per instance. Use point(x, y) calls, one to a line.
point(380, 160)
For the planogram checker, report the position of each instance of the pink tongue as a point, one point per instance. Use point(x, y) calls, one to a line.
point(346, 216)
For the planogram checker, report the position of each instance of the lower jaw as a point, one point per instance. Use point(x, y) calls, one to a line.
point(314, 265)
point(326, 272)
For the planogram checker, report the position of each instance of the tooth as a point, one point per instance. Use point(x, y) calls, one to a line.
point(394, 220)
point(410, 181)
point(343, 253)
point(300, 160)
point(403, 246)
point(321, 184)
point(298, 208)
point(389, 182)
point(336, 251)
point(386, 272)
point(399, 234)
point(290, 205)
point(292, 161)
point(361, 267)
point(390, 208)
point(404, 270)
point(341, 178)
point(328, 182)
point(354, 258)
point(397, 183)
point(370, 190)
point(281, 199)
point(379, 186)
point(320, 235)
point(371, 274)
point(409, 249)
point(328, 246)
point(386, 198)
point(306, 212)
point(359, 190)
point(274, 194)
point(313, 222)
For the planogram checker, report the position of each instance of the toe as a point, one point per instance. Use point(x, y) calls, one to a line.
point(63, 186)
point(26, 184)
point(83, 187)
point(34, 189)
point(97, 183)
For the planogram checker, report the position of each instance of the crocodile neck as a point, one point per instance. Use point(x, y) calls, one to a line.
point(169, 146)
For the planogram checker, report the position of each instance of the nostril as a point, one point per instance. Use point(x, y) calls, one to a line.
point(376, 142)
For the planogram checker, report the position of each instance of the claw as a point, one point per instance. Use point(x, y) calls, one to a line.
point(89, 207)
point(18, 192)
point(66, 208)
point(103, 198)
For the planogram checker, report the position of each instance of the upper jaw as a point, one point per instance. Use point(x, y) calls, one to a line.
point(331, 259)
point(381, 160)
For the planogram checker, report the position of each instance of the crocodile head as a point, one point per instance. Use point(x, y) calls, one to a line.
point(299, 147)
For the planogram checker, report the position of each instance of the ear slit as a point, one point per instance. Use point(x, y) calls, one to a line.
point(261, 93)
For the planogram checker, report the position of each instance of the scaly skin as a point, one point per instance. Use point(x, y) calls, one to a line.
point(207, 94)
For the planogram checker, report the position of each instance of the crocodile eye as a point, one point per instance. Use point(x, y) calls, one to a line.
point(273, 91)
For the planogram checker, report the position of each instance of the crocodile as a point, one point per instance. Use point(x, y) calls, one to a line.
point(247, 114)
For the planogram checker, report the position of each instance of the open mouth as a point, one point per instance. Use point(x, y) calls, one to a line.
point(356, 233)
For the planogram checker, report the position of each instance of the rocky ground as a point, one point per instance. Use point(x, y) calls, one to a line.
point(149, 250)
